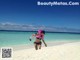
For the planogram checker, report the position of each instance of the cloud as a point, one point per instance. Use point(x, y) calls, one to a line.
point(24, 27)
point(7, 23)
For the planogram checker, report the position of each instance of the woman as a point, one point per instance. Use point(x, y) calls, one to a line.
point(39, 39)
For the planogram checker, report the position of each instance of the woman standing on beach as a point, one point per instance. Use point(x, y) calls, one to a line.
point(39, 39)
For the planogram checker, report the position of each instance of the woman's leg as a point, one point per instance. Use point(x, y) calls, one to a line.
point(39, 46)
point(36, 47)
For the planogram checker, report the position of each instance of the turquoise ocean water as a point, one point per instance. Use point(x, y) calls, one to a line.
point(20, 38)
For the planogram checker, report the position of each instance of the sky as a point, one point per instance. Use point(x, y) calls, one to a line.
point(28, 12)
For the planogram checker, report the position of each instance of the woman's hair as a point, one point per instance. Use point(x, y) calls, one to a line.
point(43, 32)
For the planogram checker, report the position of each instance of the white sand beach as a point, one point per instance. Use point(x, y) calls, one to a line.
point(68, 51)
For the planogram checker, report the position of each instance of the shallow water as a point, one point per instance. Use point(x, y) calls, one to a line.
point(20, 38)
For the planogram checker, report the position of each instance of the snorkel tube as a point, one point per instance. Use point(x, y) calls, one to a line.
point(39, 31)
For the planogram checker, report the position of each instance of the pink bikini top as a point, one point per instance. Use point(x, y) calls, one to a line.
point(40, 36)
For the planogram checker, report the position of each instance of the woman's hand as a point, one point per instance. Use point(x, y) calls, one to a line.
point(30, 39)
point(45, 45)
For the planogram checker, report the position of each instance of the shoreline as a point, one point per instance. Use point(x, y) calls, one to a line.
point(49, 44)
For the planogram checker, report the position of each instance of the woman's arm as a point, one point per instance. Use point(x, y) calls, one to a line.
point(44, 43)
point(33, 35)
